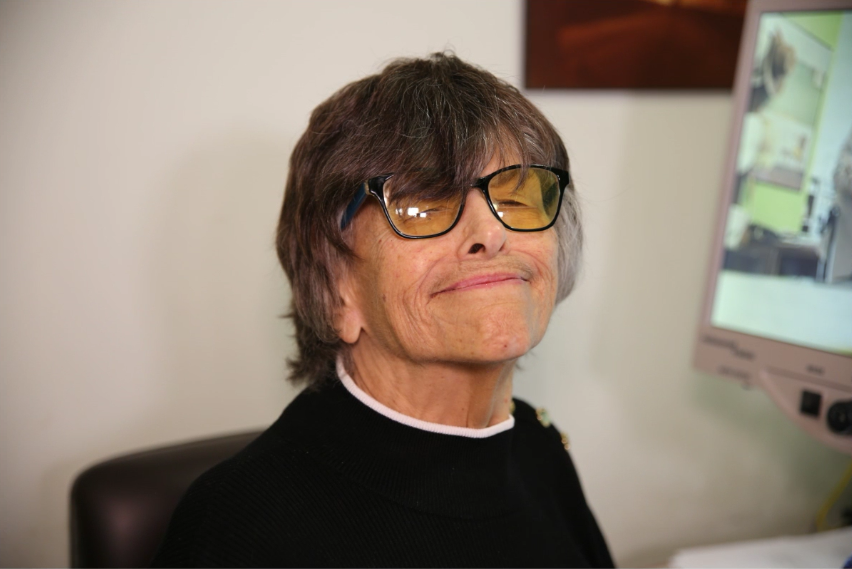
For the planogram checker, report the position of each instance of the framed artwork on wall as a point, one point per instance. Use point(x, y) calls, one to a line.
point(632, 44)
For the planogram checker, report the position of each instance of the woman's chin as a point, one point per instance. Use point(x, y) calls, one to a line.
point(500, 341)
point(495, 332)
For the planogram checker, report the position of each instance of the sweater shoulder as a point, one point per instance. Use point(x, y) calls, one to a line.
point(544, 450)
point(217, 521)
point(198, 534)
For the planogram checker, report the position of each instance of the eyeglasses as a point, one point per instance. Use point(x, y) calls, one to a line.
point(523, 199)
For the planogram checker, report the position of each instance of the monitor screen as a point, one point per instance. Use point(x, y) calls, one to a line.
point(780, 289)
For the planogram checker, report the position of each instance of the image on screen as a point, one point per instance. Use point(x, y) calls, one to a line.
point(787, 266)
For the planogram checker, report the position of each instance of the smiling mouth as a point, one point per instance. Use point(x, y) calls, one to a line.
point(485, 281)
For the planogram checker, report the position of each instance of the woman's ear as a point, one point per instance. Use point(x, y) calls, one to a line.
point(349, 319)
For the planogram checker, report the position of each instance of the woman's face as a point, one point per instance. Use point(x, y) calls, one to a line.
point(479, 294)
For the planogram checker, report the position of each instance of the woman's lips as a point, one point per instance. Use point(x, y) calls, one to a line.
point(485, 280)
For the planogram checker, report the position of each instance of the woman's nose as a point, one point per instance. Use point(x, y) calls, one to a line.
point(484, 234)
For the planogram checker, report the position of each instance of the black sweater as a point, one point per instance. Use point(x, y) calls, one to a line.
point(334, 483)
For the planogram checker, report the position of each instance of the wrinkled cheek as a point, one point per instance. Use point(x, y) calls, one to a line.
point(553, 275)
point(411, 321)
point(547, 301)
point(551, 295)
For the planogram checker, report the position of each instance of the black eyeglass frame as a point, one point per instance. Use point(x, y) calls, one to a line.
point(375, 187)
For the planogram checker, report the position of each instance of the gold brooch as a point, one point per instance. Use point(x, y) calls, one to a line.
point(542, 416)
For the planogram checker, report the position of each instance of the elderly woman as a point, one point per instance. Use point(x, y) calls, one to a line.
point(429, 228)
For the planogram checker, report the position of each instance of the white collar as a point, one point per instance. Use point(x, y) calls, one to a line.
point(382, 409)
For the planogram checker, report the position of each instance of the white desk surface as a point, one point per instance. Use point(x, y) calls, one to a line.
point(825, 549)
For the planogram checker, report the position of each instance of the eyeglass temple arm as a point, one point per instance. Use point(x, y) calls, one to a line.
point(353, 206)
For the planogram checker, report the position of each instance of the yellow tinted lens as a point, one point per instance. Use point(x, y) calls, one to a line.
point(417, 216)
point(530, 202)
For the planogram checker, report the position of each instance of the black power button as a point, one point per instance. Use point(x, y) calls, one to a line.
point(810, 403)
point(839, 418)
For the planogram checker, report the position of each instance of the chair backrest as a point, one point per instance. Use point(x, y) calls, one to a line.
point(120, 508)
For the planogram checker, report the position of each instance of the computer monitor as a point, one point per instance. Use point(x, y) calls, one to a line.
point(778, 306)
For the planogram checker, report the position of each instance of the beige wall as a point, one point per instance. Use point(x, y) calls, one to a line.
point(143, 148)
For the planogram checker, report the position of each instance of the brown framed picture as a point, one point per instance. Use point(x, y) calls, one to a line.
point(632, 44)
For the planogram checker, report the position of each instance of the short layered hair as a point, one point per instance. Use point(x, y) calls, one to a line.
point(438, 117)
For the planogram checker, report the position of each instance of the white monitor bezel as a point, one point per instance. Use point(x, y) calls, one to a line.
point(782, 369)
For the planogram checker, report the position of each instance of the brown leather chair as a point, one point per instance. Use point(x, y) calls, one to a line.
point(120, 508)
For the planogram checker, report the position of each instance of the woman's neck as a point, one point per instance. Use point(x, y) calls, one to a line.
point(460, 395)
